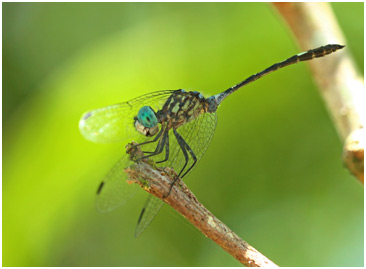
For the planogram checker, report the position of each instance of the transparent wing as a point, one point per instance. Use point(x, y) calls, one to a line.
point(115, 123)
point(114, 189)
point(148, 213)
point(198, 134)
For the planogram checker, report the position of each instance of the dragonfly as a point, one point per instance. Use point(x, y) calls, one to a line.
point(174, 128)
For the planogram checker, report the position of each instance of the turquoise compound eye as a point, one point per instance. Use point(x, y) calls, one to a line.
point(146, 116)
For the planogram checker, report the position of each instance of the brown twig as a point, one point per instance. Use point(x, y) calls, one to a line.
point(157, 181)
point(339, 82)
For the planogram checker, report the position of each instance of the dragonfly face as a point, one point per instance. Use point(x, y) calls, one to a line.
point(146, 122)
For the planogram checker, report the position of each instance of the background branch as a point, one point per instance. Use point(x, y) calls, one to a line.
point(339, 82)
point(157, 182)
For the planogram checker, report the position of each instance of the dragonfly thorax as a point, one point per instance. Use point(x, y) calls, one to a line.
point(182, 107)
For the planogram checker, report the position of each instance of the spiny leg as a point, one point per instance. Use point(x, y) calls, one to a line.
point(183, 148)
point(157, 147)
point(187, 147)
point(160, 147)
point(157, 137)
point(151, 141)
point(164, 141)
point(193, 157)
point(183, 145)
point(166, 149)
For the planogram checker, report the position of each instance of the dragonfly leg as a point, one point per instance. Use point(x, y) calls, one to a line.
point(193, 157)
point(184, 146)
point(181, 143)
point(156, 138)
point(166, 150)
point(160, 147)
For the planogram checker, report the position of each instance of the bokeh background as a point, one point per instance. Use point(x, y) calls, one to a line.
point(273, 172)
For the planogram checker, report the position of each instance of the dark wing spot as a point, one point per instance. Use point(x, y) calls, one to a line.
point(100, 187)
point(148, 119)
point(142, 213)
point(87, 115)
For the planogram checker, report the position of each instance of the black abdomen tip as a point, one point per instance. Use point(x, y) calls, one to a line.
point(339, 46)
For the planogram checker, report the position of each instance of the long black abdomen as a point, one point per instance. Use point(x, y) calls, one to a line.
point(304, 56)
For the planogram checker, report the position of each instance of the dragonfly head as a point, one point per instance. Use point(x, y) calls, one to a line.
point(146, 121)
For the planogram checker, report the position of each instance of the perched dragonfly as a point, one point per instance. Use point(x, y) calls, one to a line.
point(178, 122)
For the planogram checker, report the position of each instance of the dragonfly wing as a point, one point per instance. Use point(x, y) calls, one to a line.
point(151, 208)
point(108, 124)
point(114, 189)
point(115, 123)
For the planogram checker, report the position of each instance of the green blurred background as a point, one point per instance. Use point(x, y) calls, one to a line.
point(273, 172)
